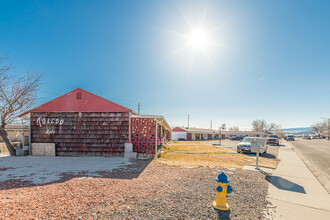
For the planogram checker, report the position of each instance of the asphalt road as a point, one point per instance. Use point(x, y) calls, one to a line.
point(316, 154)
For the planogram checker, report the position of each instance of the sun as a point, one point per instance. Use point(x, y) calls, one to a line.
point(198, 39)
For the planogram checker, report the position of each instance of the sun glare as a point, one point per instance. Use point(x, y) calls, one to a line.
point(198, 39)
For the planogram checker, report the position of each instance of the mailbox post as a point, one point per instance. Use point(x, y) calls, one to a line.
point(255, 148)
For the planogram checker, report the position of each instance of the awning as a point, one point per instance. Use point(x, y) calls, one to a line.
point(160, 120)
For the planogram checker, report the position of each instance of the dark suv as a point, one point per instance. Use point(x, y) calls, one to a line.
point(237, 138)
point(290, 138)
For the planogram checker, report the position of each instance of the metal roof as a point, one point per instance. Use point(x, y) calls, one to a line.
point(78, 100)
point(196, 130)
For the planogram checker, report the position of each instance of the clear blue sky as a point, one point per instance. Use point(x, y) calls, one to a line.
point(268, 60)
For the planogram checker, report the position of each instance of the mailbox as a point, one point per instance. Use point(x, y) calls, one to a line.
point(255, 147)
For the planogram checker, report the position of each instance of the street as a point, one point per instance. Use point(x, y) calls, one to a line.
point(316, 154)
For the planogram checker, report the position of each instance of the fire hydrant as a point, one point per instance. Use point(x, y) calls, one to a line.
point(223, 189)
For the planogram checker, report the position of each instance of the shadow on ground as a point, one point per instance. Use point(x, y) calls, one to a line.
point(223, 215)
point(285, 184)
point(266, 155)
point(12, 178)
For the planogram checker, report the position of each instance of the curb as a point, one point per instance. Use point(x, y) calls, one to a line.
point(323, 179)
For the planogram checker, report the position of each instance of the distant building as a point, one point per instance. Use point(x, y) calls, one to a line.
point(15, 135)
point(15, 132)
point(183, 133)
point(244, 133)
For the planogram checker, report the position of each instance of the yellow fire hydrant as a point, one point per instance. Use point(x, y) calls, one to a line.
point(223, 189)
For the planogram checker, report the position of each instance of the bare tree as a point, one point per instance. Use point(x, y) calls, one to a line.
point(279, 133)
point(17, 95)
point(318, 128)
point(262, 125)
point(234, 128)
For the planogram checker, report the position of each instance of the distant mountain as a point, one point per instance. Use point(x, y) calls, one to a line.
point(305, 130)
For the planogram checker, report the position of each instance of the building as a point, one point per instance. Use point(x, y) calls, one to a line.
point(182, 133)
point(229, 134)
point(15, 132)
point(14, 135)
point(80, 123)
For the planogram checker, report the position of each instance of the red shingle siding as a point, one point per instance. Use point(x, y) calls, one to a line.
point(82, 133)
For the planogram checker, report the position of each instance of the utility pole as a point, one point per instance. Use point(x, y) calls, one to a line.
point(139, 108)
point(211, 124)
point(188, 121)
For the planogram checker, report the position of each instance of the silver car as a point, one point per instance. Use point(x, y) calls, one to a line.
point(245, 145)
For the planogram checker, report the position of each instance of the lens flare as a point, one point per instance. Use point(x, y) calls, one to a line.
point(198, 39)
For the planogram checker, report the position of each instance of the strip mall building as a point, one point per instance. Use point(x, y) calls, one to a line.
point(195, 134)
point(80, 123)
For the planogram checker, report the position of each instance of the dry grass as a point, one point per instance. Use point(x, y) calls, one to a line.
point(188, 147)
point(224, 160)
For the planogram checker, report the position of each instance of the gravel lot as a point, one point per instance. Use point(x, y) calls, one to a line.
point(141, 190)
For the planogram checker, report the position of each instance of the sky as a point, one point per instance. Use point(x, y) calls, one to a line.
point(260, 59)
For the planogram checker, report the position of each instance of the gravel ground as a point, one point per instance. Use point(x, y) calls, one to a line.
point(142, 190)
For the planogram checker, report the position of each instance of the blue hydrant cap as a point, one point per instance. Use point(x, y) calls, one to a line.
point(222, 178)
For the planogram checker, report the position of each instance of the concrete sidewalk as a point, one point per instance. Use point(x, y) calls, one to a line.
point(294, 190)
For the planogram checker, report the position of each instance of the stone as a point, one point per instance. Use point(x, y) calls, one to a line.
point(132, 155)
point(43, 149)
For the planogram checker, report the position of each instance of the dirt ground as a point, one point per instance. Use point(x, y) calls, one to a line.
point(190, 154)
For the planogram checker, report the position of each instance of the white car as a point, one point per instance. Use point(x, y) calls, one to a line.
point(245, 145)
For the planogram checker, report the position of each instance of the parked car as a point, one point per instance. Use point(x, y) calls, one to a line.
point(237, 138)
point(181, 139)
point(285, 137)
point(307, 137)
point(273, 139)
point(290, 138)
point(245, 145)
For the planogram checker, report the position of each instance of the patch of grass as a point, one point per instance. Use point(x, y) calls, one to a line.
point(224, 160)
point(188, 147)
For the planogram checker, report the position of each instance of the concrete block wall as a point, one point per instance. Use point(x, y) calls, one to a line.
point(43, 149)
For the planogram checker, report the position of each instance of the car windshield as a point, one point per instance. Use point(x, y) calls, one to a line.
point(261, 141)
point(273, 136)
point(247, 140)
